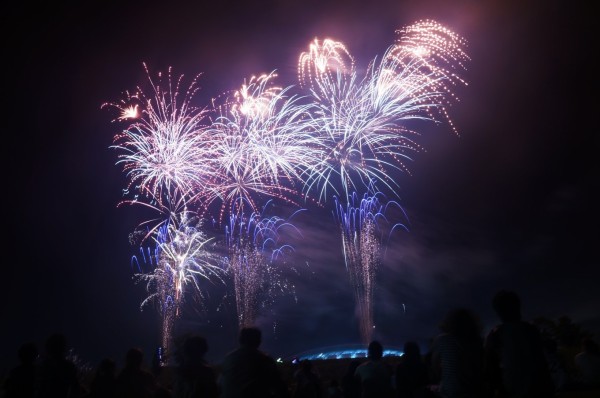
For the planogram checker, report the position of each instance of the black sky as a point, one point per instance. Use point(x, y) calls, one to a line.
point(510, 203)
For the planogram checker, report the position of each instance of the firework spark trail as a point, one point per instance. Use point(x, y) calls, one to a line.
point(362, 227)
point(253, 248)
point(162, 150)
point(438, 52)
point(182, 257)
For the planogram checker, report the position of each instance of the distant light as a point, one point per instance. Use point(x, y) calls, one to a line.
point(346, 353)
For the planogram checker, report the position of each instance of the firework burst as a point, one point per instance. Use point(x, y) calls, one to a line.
point(163, 147)
point(362, 121)
point(259, 144)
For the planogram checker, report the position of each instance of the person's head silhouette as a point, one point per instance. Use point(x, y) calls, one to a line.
point(461, 323)
point(194, 349)
point(411, 350)
point(306, 365)
point(507, 305)
point(134, 358)
point(56, 345)
point(375, 350)
point(107, 368)
point(250, 337)
point(28, 353)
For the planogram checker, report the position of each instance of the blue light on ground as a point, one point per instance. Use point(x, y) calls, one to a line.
point(342, 353)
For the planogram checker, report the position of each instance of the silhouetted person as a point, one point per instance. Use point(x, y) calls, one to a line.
point(350, 385)
point(588, 364)
point(374, 375)
point(133, 381)
point(515, 365)
point(20, 380)
point(104, 383)
point(412, 375)
point(248, 372)
point(56, 376)
point(307, 382)
point(457, 355)
point(194, 378)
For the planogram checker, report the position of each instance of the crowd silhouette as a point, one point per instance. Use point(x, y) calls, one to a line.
point(56, 375)
point(514, 360)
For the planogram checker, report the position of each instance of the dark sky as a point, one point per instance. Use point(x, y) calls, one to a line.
point(510, 203)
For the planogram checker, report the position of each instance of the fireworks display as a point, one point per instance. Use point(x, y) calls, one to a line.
point(336, 133)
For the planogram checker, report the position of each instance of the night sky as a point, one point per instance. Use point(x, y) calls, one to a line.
point(508, 203)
